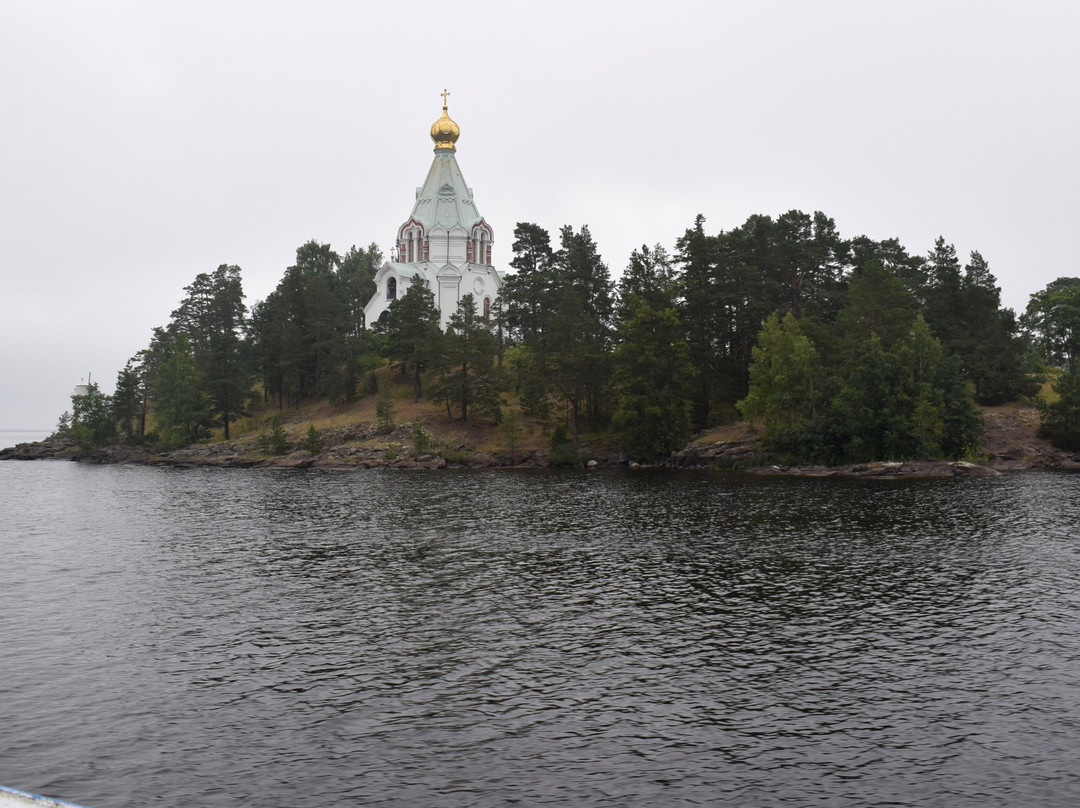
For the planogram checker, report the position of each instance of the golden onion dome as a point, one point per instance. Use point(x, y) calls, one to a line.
point(444, 131)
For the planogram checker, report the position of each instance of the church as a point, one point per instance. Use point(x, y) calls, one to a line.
point(445, 243)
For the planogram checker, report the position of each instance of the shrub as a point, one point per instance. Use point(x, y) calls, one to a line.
point(456, 457)
point(422, 439)
point(313, 442)
point(276, 441)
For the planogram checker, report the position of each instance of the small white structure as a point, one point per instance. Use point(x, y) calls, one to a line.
point(82, 388)
point(445, 241)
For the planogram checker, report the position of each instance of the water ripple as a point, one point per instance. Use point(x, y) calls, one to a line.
point(211, 636)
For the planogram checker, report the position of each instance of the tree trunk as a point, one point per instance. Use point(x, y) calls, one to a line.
point(464, 392)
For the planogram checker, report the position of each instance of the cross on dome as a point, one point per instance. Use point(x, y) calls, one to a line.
point(445, 244)
point(444, 131)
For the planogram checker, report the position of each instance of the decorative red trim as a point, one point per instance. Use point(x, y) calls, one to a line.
point(411, 223)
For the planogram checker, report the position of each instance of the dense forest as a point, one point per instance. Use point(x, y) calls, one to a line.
point(841, 350)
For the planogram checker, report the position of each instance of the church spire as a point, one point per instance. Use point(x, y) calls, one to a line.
point(445, 244)
point(444, 132)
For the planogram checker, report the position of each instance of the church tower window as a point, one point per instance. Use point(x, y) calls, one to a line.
point(391, 288)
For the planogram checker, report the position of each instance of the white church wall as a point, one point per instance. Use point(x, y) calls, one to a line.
point(445, 240)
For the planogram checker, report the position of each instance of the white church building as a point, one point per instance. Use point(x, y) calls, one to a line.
point(445, 242)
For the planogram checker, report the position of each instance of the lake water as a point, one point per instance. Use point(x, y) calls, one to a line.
point(215, 637)
point(13, 437)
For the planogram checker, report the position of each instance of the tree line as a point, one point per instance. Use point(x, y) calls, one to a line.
point(841, 349)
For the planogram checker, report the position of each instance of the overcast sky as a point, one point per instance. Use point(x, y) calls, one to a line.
point(142, 143)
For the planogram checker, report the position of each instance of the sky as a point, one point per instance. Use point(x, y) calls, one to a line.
point(144, 143)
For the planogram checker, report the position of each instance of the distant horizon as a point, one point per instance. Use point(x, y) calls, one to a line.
point(10, 438)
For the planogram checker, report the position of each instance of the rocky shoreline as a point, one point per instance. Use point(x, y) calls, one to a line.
point(1010, 444)
point(354, 447)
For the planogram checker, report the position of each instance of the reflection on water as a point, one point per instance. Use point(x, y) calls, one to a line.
point(200, 637)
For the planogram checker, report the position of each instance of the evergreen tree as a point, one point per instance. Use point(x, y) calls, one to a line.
point(531, 292)
point(652, 375)
point(582, 345)
point(888, 391)
point(809, 262)
point(921, 360)
point(964, 310)
point(467, 377)
point(732, 283)
point(92, 423)
point(308, 333)
point(991, 349)
point(962, 423)
point(701, 314)
point(944, 298)
point(357, 352)
point(891, 256)
point(582, 270)
point(411, 326)
point(127, 402)
point(877, 303)
point(532, 378)
point(650, 278)
point(325, 321)
point(1053, 319)
point(864, 412)
point(212, 319)
point(900, 396)
point(182, 409)
point(267, 325)
point(356, 272)
point(512, 426)
point(529, 298)
point(560, 307)
point(1061, 417)
point(744, 298)
point(787, 388)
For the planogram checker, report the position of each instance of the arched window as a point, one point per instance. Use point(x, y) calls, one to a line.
point(391, 288)
point(487, 308)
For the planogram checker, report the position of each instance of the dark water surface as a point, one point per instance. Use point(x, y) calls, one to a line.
point(208, 637)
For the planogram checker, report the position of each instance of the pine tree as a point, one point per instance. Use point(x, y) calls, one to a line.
point(652, 376)
point(787, 388)
point(92, 423)
point(127, 401)
point(530, 293)
point(411, 326)
point(467, 376)
point(212, 319)
point(182, 409)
